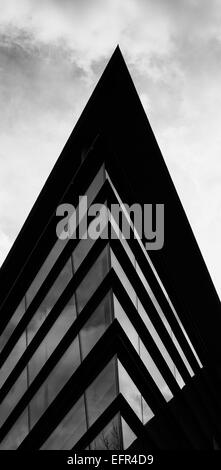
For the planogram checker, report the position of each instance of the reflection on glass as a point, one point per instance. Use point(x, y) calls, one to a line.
point(92, 280)
point(12, 398)
point(52, 339)
point(94, 328)
point(60, 244)
point(116, 233)
point(126, 324)
point(131, 393)
point(69, 431)
point(13, 322)
point(155, 373)
point(129, 390)
point(110, 437)
point(153, 298)
point(16, 435)
point(81, 251)
point(50, 300)
point(131, 292)
point(128, 434)
point(45, 269)
point(123, 278)
point(159, 344)
point(55, 381)
point(12, 359)
point(101, 392)
point(141, 349)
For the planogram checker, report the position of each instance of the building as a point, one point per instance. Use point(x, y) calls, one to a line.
point(104, 345)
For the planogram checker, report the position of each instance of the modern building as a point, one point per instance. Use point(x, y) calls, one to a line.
point(104, 344)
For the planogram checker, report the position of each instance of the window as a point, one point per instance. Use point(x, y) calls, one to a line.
point(92, 280)
point(50, 300)
point(52, 339)
point(69, 431)
point(101, 392)
point(133, 396)
point(96, 325)
point(141, 350)
point(15, 319)
point(14, 395)
point(60, 244)
point(110, 437)
point(128, 434)
point(56, 380)
point(13, 358)
point(16, 435)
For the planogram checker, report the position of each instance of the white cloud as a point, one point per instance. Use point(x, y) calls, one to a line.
point(51, 55)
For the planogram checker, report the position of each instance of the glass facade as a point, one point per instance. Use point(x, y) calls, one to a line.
point(78, 344)
point(110, 438)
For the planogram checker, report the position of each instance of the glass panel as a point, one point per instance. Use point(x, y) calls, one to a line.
point(96, 325)
point(123, 278)
point(155, 373)
point(52, 339)
point(60, 244)
point(50, 300)
point(55, 381)
point(84, 246)
point(160, 344)
point(131, 393)
point(81, 251)
point(12, 359)
point(128, 434)
point(45, 269)
point(92, 280)
point(129, 390)
point(15, 319)
point(69, 431)
point(162, 287)
point(110, 437)
point(126, 324)
point(96, 185)
point(101, 392)
point(12, 398)
point(131, 292)
point(141, 349)
point(117, 232)
point(16, 435)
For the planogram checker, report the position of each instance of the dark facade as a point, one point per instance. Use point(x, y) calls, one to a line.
point(104, 345)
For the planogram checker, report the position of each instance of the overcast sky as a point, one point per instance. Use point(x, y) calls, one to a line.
point(52, 53)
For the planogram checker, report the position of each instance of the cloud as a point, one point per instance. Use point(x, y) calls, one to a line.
point(51, 55)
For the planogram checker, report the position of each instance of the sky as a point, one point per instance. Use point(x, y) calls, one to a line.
point(52, 53)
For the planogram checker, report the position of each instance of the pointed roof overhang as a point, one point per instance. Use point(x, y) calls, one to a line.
point(115, 110)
